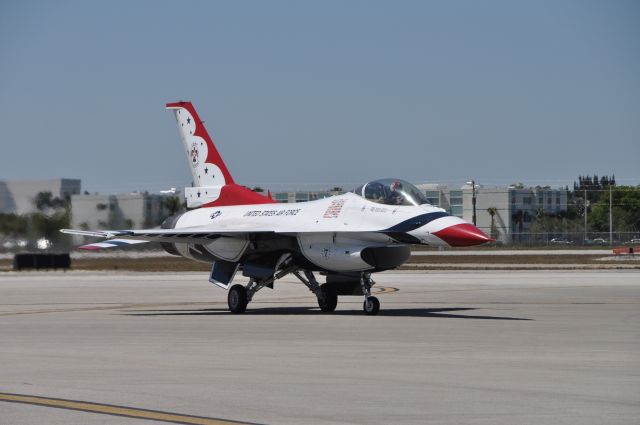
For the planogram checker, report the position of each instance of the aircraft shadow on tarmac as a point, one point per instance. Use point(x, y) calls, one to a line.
point(284, 311)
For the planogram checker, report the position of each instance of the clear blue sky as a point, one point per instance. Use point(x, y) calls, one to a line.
point(312, 94)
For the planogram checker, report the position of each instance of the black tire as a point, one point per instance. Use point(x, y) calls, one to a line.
point(371, 306)
point(328, 301)
point(237, 299)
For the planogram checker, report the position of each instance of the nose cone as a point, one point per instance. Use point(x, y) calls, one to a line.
point(463, 234)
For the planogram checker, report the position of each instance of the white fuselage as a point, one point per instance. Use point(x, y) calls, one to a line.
point(331, 232)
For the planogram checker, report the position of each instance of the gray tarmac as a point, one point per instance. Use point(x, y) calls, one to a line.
point(513, 252)
point(480, 347)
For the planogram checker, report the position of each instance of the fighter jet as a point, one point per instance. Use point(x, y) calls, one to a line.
point(345, 238)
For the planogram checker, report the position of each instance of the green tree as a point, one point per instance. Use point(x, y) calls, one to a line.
point(44, 201)
point(13, 224)
point(52, 214)
point(625, 210)
point(172, 204)
point(518, 219)
point(48, 226)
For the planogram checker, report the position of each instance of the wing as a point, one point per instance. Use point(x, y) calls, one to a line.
point(195, 234)
point(200, 234)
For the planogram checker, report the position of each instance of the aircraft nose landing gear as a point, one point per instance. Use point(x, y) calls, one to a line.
point(371, 305)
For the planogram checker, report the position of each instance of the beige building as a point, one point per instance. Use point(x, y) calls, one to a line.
point(16, 196)
point(121, 211)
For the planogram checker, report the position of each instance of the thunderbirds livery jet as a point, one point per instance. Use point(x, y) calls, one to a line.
point(346, 238)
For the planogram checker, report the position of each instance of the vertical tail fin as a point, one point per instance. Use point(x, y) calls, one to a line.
point(213, 184)
point(207, 166)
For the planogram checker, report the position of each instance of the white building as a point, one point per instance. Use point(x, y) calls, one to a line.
point(16, 196)
point(515, 208)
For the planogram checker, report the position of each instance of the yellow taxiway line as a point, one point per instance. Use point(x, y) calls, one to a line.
point(383, 290)
point(108, 409)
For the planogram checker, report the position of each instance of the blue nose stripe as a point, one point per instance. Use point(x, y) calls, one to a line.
point(415, 222)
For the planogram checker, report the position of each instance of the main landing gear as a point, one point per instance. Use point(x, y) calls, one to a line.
point(237, 299)
point(239, 296)
point(327, 298)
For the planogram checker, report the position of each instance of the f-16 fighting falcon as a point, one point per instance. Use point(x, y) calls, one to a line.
point(345, 238)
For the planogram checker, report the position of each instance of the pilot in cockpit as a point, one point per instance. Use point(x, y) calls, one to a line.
point(391, 192)
point(394, 197)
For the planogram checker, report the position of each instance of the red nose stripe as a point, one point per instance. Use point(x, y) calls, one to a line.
point(462, 235)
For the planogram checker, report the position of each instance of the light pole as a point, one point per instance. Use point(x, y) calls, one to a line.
point(585, 216)
point(610, 218)
point(473, 200)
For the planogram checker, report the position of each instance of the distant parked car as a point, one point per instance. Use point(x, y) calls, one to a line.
point(14, 243)
point(599, 241)
point(635, 241)
point(561, 241)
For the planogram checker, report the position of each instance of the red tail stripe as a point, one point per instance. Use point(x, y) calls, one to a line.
point(233, 194)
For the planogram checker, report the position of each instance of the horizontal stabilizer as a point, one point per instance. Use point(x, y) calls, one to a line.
point(111, 243)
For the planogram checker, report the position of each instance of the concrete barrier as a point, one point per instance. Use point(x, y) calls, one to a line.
point(41, 261)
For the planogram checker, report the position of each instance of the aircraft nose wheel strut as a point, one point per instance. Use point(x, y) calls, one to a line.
point(371, 305)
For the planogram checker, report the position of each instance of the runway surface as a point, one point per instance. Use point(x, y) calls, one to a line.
point(514, 252)
point(535, 347)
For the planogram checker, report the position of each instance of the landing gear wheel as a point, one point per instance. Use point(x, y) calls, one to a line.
point(328, 300)
point(371, 306)
point(237, 299)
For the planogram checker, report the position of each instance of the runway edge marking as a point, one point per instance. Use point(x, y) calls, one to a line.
point(115, 410)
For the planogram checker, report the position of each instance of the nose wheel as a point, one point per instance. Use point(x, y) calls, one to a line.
point(371, 305)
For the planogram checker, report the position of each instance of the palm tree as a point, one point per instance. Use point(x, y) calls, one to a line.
point(518, 218)
point(494, 231)
point(172, 204)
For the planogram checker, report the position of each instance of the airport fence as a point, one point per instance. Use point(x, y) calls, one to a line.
point(585, 239)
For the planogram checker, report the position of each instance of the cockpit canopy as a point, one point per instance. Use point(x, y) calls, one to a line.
point(391, 192)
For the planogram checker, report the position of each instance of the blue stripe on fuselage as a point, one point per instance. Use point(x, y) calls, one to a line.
point(415, 222)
